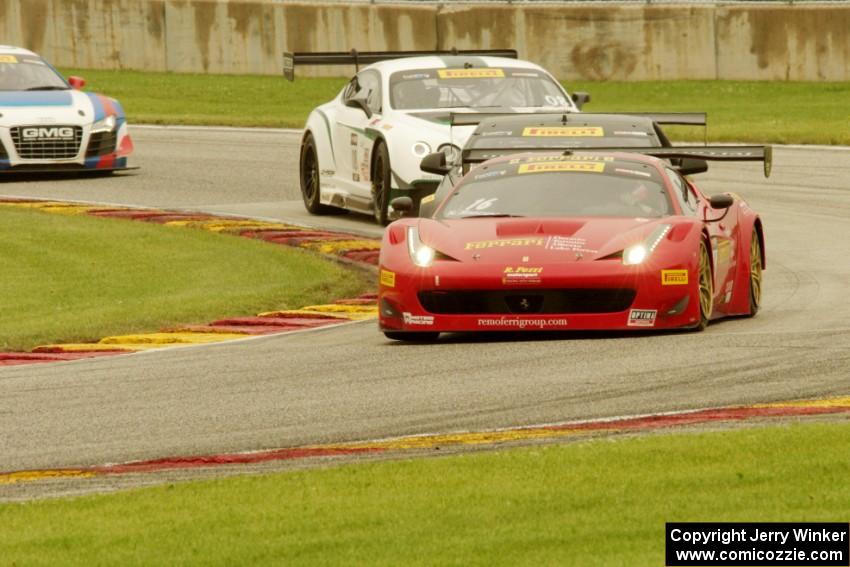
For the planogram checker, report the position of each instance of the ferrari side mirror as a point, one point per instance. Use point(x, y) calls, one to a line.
point(691, 166)
point(402, 205)
point(435, 163)
point(721, 201)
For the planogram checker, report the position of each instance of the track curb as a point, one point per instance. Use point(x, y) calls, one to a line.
point(353, 250)
point(441, 443)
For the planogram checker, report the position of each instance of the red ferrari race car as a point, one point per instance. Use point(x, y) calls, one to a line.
point(575, 240)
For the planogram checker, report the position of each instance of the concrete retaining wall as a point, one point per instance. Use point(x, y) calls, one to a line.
point(574, 41)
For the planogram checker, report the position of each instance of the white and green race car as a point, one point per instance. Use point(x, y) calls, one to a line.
point(363, 149)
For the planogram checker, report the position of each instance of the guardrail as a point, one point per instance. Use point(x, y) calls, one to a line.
point(576, 40)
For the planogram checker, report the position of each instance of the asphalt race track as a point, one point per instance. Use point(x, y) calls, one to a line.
point(349, 383)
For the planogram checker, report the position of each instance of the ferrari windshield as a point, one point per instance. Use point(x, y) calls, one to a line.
point(560, 186)
point(476, 87)
point(28, 73)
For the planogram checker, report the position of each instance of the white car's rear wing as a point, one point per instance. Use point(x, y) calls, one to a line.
point(357, 58)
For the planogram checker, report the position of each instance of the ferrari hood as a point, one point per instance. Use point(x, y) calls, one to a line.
point(500, 240)
point(70, 107)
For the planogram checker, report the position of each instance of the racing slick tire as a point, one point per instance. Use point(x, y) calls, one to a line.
point(308, 173)
point(381, 183)
point(420, 337)
point(755, 278)
point(705, 287)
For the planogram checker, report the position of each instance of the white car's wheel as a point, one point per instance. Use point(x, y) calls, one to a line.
point(381, 183)
point(309, 174)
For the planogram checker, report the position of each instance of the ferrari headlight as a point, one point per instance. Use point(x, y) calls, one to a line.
point(104, 125)
point(637, 253)
point(420, 254)
point(421, 149)
point(634, 254)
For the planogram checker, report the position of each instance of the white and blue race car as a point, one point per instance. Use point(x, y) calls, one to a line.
point(363, 149)
point(48, 124)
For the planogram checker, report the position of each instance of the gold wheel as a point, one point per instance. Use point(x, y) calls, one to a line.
point(706, 286)
point(755, 273)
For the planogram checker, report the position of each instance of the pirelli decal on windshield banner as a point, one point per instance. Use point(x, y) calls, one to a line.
point(674, 277)
point(470, 73)
point(537, 159)
point(8, 59)
point(387, 278)
point(585, 166)
point(564, 131)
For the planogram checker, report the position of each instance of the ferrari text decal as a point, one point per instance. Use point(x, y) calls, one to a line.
point(417, 319)
point(674, 277)
point(521, 275)
point(564, 131)
point(8, 59)
point(387, 278)
point(470, 73)
point(544, 167)
point(642, 317)
point(503, 243)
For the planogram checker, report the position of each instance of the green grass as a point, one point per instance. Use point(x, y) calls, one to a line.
point(740, 111)
point(746, 111)
point(591, 503)
point(81, 278)
point(229, 100)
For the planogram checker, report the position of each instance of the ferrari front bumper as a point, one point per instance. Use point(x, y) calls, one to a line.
point(602, 295)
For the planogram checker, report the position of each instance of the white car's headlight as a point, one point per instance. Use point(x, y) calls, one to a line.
point(104, 125)
point(420, 254)
point(421, 149)
point(637, 253)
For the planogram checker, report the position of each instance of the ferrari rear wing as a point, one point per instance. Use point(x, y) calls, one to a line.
point(664, 118)
point(357, 58)
point(709, 153)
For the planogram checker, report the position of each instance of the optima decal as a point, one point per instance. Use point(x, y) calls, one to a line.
point(674, 277)
point(564, 131)
point(642, 317)
point(588, 166)
point(504, 243)
point(387, 278)
point(470, 73)
point(417, 319)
